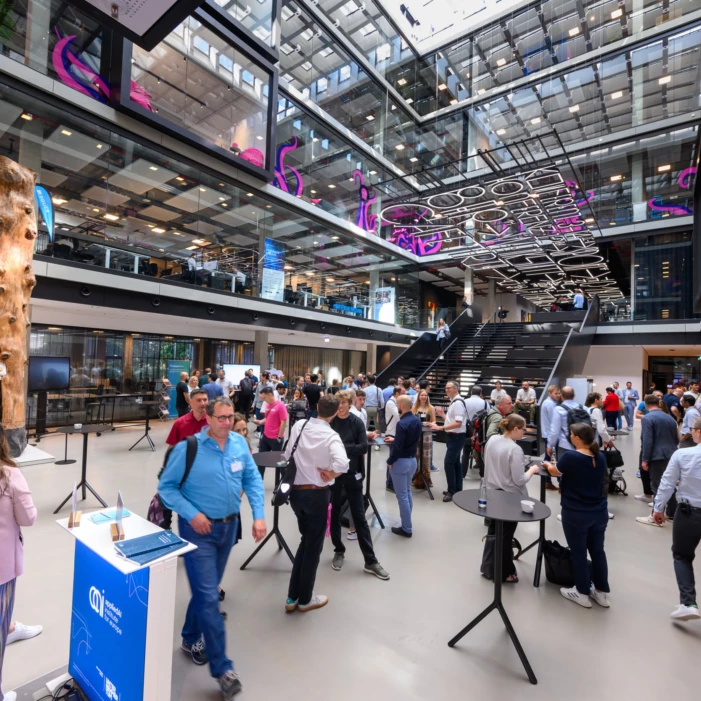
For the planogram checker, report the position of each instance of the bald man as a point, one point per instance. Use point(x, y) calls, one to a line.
point(402, 461)
point(182, 395)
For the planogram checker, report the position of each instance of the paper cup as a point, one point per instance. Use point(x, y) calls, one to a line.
point(527, 506)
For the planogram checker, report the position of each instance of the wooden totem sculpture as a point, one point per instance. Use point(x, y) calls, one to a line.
point(18, 230)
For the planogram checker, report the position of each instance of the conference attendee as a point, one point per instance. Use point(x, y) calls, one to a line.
point(208, 505)
point(584, 513)
point(548, 407)
point(389, 390)
point(525, 401)
point(474, 404)
point(374, 401)
point(320, 380)
point(349, 485)
point(358, 409)
point(694, 390)
point(193, 383)
point(320, 458)
point(612, 406)
point(274, 422)
point(558, 438)
point(503, 469)
point(660, 437)
point(630, 399)
point(17, 511)
point(579, 301)
point(442, 335)
point(298, 408)
point(454, 426)
point(683, 473)
point(246, 393)
point(640, 411)
point(673, 401)
point(258, 400)
point(620, 394)
point(392, 413)
point(427, 415)
point(281, 391)
point(193, 422)
point(503, 408)
point(225, 383)
point(334, 386)
point(182, 395)
point(253, 377)
point(408, 390)
point(497, 393)
point(213, 388)
point(204, 377)
point(402, 462)
point(594, 404)
point(691, 413)
point(313, 392)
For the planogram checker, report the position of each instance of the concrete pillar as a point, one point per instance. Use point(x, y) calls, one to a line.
point(638, 188)
point(260, 350)
point(36, 50)
point(469, 290)
point(491, 299)
point(371, 359)
point(374, 284)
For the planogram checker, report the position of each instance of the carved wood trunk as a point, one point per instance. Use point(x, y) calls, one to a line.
point(18, 230)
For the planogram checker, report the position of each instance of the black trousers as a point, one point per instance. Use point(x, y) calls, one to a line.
point(348, 487)
point(268, 445)
point(311, 508)
point(686, 536)
point(507, 564)
point(657, 468)
point(245, 404)
point(644, 476)
point(611, 419)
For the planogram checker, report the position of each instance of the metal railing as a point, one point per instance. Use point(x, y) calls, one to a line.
point(490, 325)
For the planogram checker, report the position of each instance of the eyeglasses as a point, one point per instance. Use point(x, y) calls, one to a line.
point(224, 419)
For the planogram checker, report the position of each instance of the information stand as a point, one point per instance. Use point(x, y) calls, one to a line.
point(122, 618)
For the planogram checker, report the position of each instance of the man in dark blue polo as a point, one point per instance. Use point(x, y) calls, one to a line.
point(402, 461)
point(213, 388)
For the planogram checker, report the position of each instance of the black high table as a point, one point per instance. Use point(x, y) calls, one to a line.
point(86, 431)
point(368, 469)
point(501, 506)
point(542, 473)
point(148, 406)
point(271, 459)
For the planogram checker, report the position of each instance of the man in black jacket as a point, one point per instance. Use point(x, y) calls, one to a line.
point(350, 486)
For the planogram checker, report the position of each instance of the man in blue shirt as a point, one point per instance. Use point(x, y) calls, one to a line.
point(402, 461)
point(208, 504)
point(559, 436)
point(630, 399)
point(213, 388)
point(388, 391)
point(578, 300)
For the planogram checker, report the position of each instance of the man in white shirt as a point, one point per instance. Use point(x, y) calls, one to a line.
point(691, 413)
point(474, 405)
point(391, 419)
point(694, 390)
point(320, 457)
point(455, 427)
point(546, 410)
point(525, 401)
point(225, 384)
point(497, 393)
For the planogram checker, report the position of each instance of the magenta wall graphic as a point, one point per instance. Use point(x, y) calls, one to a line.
point(365, 220)
point(419, 246)
point(281, 169)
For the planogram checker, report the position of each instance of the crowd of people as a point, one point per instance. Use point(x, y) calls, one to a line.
point(327, 432)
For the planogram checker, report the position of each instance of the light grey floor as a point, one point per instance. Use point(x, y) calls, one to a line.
point(387, 640)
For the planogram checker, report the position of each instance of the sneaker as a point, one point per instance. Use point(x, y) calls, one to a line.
point(337, 562)
point(316, 602)
point(637, 474)
point(651, 504)
point(196, 651)
point(10, 696)
point(642, 497)
point(291, 605)
point(377, 569)
point(23, 632)
point(230, 685)
point(683, 613)
point(600, 597)
point(647, 520)
point(448, 497)
point(352, 535)
point(398, 530)
point(573, 595)
point(559, 517)
point(611, 515)
point(434, 469)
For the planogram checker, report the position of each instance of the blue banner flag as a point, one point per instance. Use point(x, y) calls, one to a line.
point(46, 208)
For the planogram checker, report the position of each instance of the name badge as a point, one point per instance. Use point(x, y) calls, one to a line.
point(236, 466)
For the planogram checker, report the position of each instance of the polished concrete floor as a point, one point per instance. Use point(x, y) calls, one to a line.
point(386, 640)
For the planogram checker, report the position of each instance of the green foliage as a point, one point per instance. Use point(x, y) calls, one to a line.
point(7, 24)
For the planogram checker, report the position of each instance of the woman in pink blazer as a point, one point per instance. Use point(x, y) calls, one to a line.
point(16, 510)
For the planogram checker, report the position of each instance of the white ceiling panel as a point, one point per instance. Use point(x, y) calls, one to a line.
point(8, 115)
point(159, 213)
point(428, 277)
point(70, 149)
point(241, 240)
point(103, 196)
point(49, 178)
point(139, 177)
point(195, 199)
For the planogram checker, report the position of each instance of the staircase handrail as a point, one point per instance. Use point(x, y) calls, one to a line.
point(479, 331)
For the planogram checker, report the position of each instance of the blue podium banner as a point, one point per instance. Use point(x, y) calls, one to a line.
point(108, 628)
point(175, 367)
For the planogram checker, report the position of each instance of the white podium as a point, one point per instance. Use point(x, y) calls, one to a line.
point(122, 615)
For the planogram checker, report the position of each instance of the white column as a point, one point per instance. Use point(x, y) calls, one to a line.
point(491, 299)
point(260, 349)
point(638, 188)
point(469, 290)
point(374, 284)
point(36, 50)
point(371, 359)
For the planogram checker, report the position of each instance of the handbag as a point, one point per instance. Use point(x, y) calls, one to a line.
point(281, 493)
point(621, 405)
point(558, 564)
point(613, 458)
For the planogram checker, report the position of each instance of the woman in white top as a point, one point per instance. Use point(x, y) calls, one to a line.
point(503, 469)
point(193, 384)
point(594, 404)
point(497, 393)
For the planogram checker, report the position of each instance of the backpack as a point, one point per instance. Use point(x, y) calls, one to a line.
point(158, 513)
point(246, 386)
point(479, 428)
point(470, 426)
point(578, 415)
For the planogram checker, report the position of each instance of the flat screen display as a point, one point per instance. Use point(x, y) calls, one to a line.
point(48, 373)
point(235, 373)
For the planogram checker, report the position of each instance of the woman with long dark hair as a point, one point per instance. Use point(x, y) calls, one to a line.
point(612, 405)
point(16, 510)
point(298, 407)
point(584, 514)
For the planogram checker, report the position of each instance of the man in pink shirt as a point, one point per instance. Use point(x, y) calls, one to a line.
point(274, 422)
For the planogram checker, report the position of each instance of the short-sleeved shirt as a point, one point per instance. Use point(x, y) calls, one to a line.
point(497, 394)
point(185, 426)
point(274, 414)
point(181, 389)
point(226, 385)
point(671, 400)
point(456, 412)
point(213, 389)
point(525, 395)
point(582, 483)
point(312, 392)
point(642, 408)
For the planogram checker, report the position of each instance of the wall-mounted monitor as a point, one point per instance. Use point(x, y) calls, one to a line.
point(235, 373)
point(48, 374)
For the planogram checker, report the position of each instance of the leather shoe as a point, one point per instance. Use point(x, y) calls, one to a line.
point(448, 497)
point(401, 531)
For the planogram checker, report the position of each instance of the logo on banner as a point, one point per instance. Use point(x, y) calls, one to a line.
point(46, 208)
point(106, 610)
point(97, 602)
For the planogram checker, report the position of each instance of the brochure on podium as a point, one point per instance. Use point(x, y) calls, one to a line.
point(148, 548)
point(107, 515)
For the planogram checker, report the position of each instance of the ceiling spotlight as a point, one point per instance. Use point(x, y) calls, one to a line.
point(399, 147)
point(534, 195)
point(95, 209)
point(574, 108)
point(260, 138)
point(65, 132)
point(574, 31)
point(60, 201)
point(589, 220)
point(158, 230)
point(442, 86)
point(182, 180)
point(409, 100)
point(665, 79)
point(616, 95)
point(249, 194)
point(111, 217)
point(481, 91)
point(98, 145)
point(499, 203)
point(335, 238)
point(202, 190)
point(152, 168)
point(501, 62)
point(372, 172)
point(332, 187)
point(313, 192)
point(664, 168)
point(401, 81)
point(535, 120)
point(27, 116)
point(329, 279)
point(413, 159)
point(616, 14)
point(501, 132)
point(616, 178)
point(371, 117)
point(454, 101)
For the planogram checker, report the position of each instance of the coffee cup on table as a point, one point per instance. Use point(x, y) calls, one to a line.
point(527, 506)
point(77, 427)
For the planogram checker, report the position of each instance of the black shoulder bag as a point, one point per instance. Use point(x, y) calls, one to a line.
point(281, 493)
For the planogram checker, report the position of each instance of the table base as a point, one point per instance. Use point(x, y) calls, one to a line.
point(82, 484)
point(538, 541)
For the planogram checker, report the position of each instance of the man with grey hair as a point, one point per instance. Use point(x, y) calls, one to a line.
point(455, 427)
point(208, 504)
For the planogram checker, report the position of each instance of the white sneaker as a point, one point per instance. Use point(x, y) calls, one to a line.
point(651, 504)
point(559, 517)
point(641, 497)
point(600, 597)
point(10, 696)
point(647, 520)
point(23, 632)
point(611, 515)
point(352, 535)
point(573, 595)
point(683, 613)
point(316, 602)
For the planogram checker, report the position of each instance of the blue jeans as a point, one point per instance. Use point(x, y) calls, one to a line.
point(402, 472)
point(619, 422)
point(584, 531)
point(205, 568)
point(629, 413)
point(454, 444)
